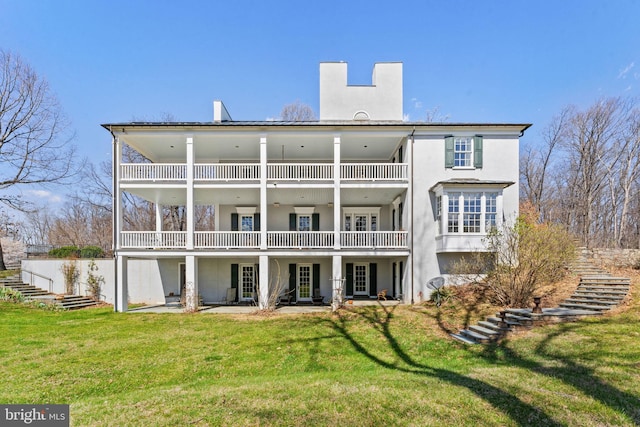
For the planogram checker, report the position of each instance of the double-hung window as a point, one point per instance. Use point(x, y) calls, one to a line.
point(463, 151)
point(453, 213)
point(490, 211)
point(472, 211)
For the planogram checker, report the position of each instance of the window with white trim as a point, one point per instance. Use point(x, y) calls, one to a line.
point(462, 152)
point(304, 222)
point(361, 219)
point(246, 223)
point(454, 211)
point(470, 211)
point(491, 210)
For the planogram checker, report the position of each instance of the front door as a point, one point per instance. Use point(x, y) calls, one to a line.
point(361, 279)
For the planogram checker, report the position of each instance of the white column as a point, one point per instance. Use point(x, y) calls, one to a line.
point(191, 279)
point(336, 282)
point(263, 194)
point(336, 192)
point(117, 193)
point(189, 208)
point(159, 224)
point(158, 218)
point(121, 302)
point(263, 296)
point(410, 226)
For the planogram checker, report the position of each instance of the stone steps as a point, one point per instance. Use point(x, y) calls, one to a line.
point(597, 292)
point(69, 302)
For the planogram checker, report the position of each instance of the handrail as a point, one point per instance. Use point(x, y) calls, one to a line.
point(33, 273)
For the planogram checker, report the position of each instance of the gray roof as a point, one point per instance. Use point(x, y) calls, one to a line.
point(473, 181)
point(325, 123)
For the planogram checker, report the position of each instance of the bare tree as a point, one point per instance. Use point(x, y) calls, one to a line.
point(535, 165)
point(297, 112)
point(34, 145)
point(435, 116)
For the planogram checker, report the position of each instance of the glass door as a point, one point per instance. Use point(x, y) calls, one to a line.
point(361, 279)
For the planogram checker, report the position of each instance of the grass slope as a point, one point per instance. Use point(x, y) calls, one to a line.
point(366, 366)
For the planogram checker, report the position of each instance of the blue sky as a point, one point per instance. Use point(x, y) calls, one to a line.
point(476, 61)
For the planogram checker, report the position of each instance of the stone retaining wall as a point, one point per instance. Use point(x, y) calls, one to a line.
point(617, 257)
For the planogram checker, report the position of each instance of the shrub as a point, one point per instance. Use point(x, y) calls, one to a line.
point(8, 294)
point(71, 274)
point(94, 281)
point(65, 252)
point(91, 252)
point(521, 259)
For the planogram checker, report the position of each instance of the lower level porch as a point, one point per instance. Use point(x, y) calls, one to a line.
point(258, 281)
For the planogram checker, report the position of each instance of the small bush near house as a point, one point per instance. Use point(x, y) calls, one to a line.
point(91, 252)
point(94, 281)
point(8, 294)
point(522, 259)
point(65, 252)
point(71, 274)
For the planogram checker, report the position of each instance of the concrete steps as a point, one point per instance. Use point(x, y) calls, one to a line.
point(597, 292)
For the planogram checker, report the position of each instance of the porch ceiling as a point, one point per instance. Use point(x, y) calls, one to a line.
point(170, 147)
point(285, 196)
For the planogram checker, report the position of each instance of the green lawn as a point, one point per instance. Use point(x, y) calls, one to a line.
point(365, 367)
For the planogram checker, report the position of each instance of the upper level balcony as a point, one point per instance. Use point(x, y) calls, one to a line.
point(250, 172)
point(224, 240)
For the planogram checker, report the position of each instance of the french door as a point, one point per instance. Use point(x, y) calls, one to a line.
point(361, 279)
point(304, 282)
point(247, 286)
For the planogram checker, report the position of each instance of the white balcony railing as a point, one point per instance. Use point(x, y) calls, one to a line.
point(227, 239)
point(153, 239)
point(227, 172)
point(275, 239)
point(374, 171)
point(153, 172)
point(295, 239)
point(374, 239)
point(275, 171)
point(300, 171)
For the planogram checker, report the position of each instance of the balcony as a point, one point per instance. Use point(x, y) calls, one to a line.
point(374, 172)
point(374, 239)
point(153, 172)
point(227, 239)
point(226, 172)
point(243, 172)
point(275, 240)
point(296, 240)
point(300, 172)
point(153, 239)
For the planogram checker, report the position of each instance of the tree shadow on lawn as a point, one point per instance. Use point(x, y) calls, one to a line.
point(519, 411)
point(570, 372)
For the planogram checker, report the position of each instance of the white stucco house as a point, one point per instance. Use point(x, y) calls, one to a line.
point(358, 198)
